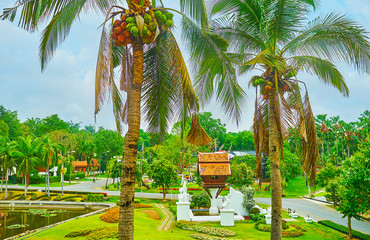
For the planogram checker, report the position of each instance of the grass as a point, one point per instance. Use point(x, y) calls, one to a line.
point(320, 194)
point(146, 228)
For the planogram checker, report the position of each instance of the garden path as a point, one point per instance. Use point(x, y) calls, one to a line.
point(168, 220)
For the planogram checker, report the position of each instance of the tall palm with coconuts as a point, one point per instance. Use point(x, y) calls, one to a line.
point(137, 40)
point(274, 36)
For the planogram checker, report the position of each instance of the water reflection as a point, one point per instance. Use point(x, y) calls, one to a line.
point(32, 221)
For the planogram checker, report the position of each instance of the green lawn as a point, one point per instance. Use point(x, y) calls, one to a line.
point(146, 229)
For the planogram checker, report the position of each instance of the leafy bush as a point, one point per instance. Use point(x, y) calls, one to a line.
point(183, 223)
point(140, 205)
point(248, 201)
point(94, 198)
point(103, 233)
point(136, 200)
point(264, 227)
point(80, 233)
point(112, 216)
point(206, 237)
point(256, 217)
point(326, 174)
point(255, 211)
point(190, 226)
point(284, 224)
point(200, 200)
point(173, 208)
point(344, 229)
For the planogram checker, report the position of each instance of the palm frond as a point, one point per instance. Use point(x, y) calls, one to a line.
point(213, 67)
point(324, 69)
point(104, 67)
point(334, 37)
point(58, 29)
point(283, 19)
point(258, 135)
point(197, 135)
point(167, 89)
point(197, 10)
point(310, 149)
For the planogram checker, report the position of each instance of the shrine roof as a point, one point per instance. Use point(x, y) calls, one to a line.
point(78, 164)
point(216, 157)
point(214, 169)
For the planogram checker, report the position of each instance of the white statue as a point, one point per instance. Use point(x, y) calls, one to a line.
point(183, 196)
point(227, 202)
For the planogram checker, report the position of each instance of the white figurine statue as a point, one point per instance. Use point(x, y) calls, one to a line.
point(227, 202)
point(183, 196)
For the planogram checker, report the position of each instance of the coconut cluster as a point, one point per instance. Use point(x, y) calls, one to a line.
point(145, 26)
point(266, 86)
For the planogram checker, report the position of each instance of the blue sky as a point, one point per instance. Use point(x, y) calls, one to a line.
point(66, 87)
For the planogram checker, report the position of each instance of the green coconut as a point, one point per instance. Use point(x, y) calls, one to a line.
point(134, 30)
point(169, 23)
point(157, 14)
point(147, 18)
point(130, 20)
point(169, 15)
point(152, 26)
point(144, 31)
point(163, 18)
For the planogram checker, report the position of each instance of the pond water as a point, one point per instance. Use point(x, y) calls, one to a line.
point(15, 221)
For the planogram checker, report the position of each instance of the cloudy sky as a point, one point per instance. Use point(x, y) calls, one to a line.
point(66, 87)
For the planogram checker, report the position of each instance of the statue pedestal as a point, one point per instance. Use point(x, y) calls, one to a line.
point(213, 210)
point(227, 217)
point(268, 218)
point(183, 211)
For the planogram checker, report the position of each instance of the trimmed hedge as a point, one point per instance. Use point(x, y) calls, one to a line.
point(78, 233)
point(344, 229)
point(94, 198)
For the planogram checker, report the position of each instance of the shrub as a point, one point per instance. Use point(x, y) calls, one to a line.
point(284, 224)
point(264, 227)
point(94, 198)
point(248, 201)
point(200, 200)
point(140, 205)
point(173, 208)
point(183, 223)
point(112, 216)
point(136, 200)
point(220, 232)
point(206, 237)
point(103, 233)
point(344, 229)
point(256, 217)
point(80, 233)
point(255, 211)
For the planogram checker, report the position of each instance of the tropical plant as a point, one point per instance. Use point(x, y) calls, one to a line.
point(270, 36)
point(155, 72)
point(50, 155)
point(27, 154)
point(163, 174)
point(7, 160)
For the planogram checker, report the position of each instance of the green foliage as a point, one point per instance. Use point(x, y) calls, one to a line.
point(80, 233)
point(355, 182)
point(220, 232)
point(248, 159)
point(344, 229)
point(163, 174)
point(333, 190)
point(200, 200)
point(255, 211)
point(205, 237)
point(326, 174)
point(248, 201)
point(114, 168)
point(103, 233)
point(256, 217)
point(240, 175)
point(10, 118)
point(94, 198)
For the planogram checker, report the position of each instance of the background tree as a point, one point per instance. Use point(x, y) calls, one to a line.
point(163, 174)
point(28, 156)
point(333, 189)
point(240, 175)
point(11, 119)
point(326, 174)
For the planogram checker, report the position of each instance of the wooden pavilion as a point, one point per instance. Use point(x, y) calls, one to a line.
point(214, 168)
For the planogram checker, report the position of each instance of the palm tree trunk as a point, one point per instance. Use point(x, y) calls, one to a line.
point(126, 218)
point(46, 184)
point(2, 176)
point(275, 171)
point(25, 185)
point(349, 227)
point(6, 185)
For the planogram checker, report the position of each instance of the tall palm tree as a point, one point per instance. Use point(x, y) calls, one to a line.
point(27, 154)
point(8, 162)
point(155, 72)
point(270, 36)
point(50, 154)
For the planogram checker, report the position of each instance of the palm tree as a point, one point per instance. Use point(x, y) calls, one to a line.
point(8, 162)
point(50, 155)
point(65, 164)
point(269, 36)
point(27, 153)
point(154, 71)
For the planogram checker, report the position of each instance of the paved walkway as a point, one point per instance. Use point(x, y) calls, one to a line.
point(318, 211)
point(168, 220)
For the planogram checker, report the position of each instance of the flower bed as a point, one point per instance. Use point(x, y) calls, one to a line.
point(112, 216)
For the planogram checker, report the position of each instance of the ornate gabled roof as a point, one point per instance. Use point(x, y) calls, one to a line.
point(79, 164)
point(216, 157)
point(214, 164)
